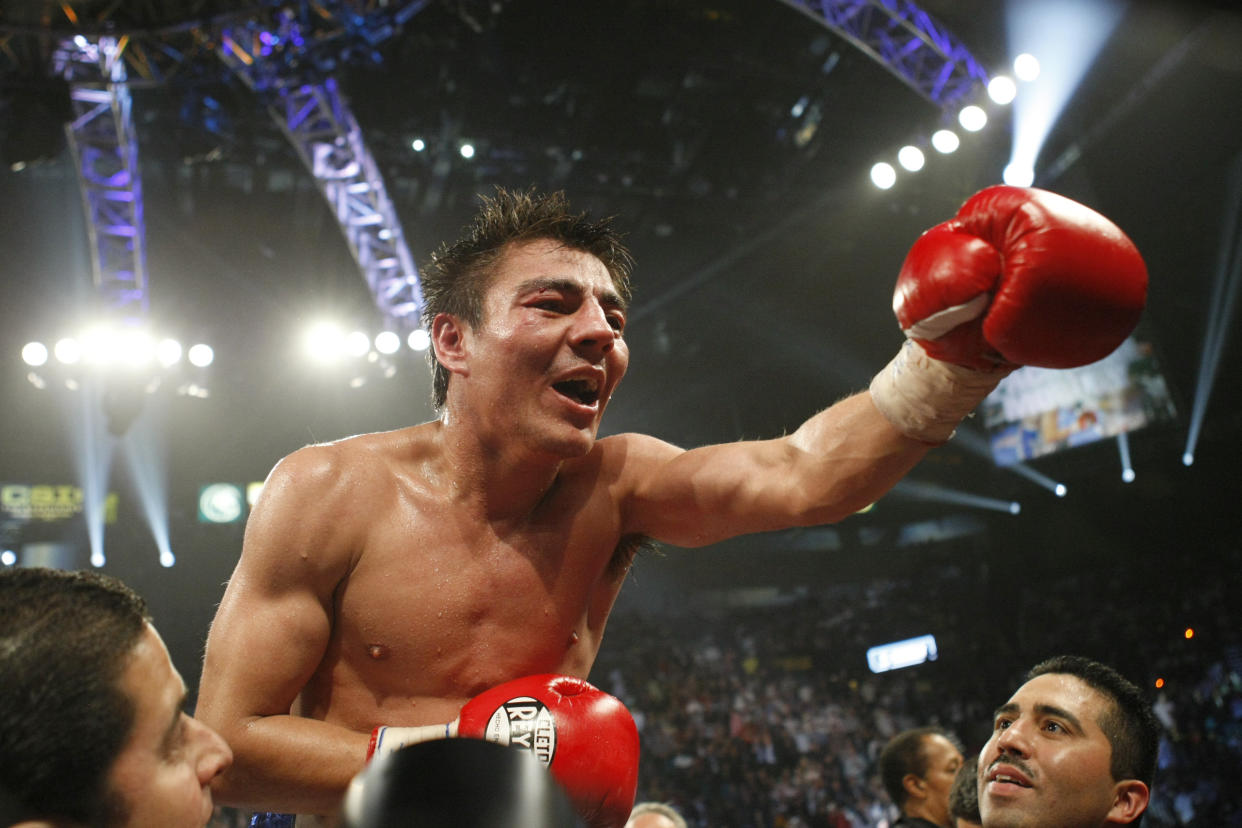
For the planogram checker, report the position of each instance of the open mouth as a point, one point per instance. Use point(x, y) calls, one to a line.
point(1006, 779)
point(582, 391)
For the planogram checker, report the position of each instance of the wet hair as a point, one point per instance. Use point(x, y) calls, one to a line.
point(964, 795)
point(905, 753)
point(1129, 723)
point(65, 641)
point(457, 280)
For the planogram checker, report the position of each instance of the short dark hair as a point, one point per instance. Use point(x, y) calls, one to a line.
point(1130, 725)
point(65, 640)
point(905, 753)
point(457, 280)
point(964, 795)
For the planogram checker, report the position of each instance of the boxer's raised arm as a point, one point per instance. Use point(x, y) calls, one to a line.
point(268, 637)
point(836, 463)
point(1019, 277)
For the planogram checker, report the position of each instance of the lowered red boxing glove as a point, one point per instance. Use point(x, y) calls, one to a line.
point(1020, 276)
point(585, 737)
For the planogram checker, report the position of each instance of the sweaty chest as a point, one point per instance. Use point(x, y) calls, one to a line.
point(434, 614)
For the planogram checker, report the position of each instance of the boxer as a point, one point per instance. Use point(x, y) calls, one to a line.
point(91, 724)
point(386, 579)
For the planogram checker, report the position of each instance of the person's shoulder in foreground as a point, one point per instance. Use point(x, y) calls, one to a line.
point(92, 730)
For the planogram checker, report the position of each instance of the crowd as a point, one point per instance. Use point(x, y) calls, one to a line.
point(769, 716)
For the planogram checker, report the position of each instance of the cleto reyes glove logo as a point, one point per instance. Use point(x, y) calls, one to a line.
point(524, 723)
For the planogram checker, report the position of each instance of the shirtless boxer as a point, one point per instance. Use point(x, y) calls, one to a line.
point(386, 579)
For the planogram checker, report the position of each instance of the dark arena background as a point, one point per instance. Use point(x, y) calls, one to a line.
point(232, 174)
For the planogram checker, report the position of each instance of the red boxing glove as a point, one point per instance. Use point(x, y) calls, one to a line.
point(1021, 276)
point(585, 737)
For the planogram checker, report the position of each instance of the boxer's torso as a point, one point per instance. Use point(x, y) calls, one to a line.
point(440, 604)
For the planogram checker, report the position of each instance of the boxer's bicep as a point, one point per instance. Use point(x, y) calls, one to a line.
point(837, 462)
point(274, 622)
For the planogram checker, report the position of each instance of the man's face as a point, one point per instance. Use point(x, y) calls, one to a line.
point(163, 773)
point(1047, 762)
point(548, 352)
point(943, 760)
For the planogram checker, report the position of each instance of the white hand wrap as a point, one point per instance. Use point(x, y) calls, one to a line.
point(384, 739)
point(926, 398)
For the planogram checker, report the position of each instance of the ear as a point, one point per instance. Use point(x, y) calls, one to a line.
point(914, 786)
point(1129, 802)
point(448, 337)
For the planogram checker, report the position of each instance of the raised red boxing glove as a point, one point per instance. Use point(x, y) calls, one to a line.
point(584, 736)
point(1021, 276)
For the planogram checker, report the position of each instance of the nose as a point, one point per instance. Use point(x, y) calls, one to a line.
point(1013, 740)
point(592, 329)
point(213, 754)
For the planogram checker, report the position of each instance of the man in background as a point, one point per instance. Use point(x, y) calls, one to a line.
point(918, 768)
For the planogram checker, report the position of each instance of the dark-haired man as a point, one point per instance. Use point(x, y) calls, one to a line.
point(1074, 746)
point(386, 579)
point(91, 724)
point(917, 768)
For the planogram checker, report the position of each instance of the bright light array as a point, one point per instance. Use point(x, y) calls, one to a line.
point(168, 352)
point(357, 343)
point(68, 351)
point(1026, 67)
point(1002, 89)
point(201, 355)
point(387, 342)
point(324, 342)
point(911, 157)
point(419, 340)
point(34, 354)
point(1017, 175)
point(972, 118)
point(945, 141)
point(883, 175)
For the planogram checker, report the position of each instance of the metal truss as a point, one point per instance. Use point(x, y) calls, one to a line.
point(907, 41)
point(321, 128)
point(101, 137)
point(317, 121)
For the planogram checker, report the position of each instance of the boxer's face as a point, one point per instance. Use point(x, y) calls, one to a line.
point(163, 773)
point(549, 351)
point(1048, 762)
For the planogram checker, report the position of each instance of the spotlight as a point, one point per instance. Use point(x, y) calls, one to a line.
point(945, 141)
point(883, 175)
point(467, 150)
point(357, 343)
point(68, 351)
point(972, 118)
point(387, 342)
point(1018, 175)
point(419, 340)
point(1188, 459)
point(8, 557)
point(1060, 490)
point(1002, 89)
point(168, 352)
point(418, 145)
point(34, 354)
point(1026, 67)
point(1127, 475)
point(201, 355)
point(911, 158)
